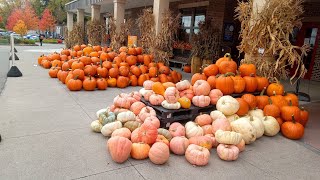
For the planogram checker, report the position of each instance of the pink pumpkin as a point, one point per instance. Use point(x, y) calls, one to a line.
point(171, 95)
point(156, 99)
point(207, 129)
point(177, 129)
point(119, 148)
point(147, 95)
point(241, 145)
point(136, 107)
point(203, 141)
point(203, 119)
point(221, 123)
point(188, 93)
point(179, 144)
point(213, 139)
point(123, 132)
point(215, 95)
point(183, 85)
point(136, 95)
point(197, 155)
point(112, 108)
point(228, 152)
point(131, 100)
point(148, 84)
point(146, 112)
point(201, 87)
point(121, 101)
point(159, 153)
point(201, 101)
point(153, 120)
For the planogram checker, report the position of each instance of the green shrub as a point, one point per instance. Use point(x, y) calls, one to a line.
point(51, 41)
point(4, 41)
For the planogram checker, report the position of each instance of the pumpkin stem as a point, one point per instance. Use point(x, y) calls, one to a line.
point(270, 101)
point(274, 93)
point(76, 77)
point(100, 63)
point(293, 119)
point(263, 90)
point(89, 77)
point(229, 74)
point(228, 55)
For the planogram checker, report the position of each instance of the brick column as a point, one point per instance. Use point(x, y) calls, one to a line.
point(159, 7)
point(119, 8)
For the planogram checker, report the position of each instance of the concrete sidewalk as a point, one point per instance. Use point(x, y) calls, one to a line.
point(46, 135)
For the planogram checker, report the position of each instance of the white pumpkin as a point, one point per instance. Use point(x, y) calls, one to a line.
point(233, 117)
point(228, 105)
point(256, 113)
point(228, 137)
point(126, 116)
point(193, 129)
point(245, 128)
point(258, 125)
point(143, 91)
point(271, 126)
point(167, 105)
point(101, 111)
point(217, 115)
point(96, 126)
point(108, 129)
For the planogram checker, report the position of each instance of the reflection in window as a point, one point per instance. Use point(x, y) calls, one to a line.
point(198, 19)
point(186, 21)
point(196, 31)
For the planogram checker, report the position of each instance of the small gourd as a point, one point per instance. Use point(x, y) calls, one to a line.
point(107, 117)
point(96, 126)
point(167, 105)
point(108, 129)
point(126, 116)
point(101, 111)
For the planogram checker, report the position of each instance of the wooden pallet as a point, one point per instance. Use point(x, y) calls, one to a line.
point(168, 116)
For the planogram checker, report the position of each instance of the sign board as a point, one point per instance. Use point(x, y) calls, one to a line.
point(132, 41)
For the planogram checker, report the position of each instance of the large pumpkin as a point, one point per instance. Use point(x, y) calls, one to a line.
point(228, 105)
point(228, 152)
point(147, 133)
point(179, 144)
point(177, 129)
point(211, 70)
point(119, 148)
point(159, 153)
point(140, 151)
point(197, 155)
point(201, 87)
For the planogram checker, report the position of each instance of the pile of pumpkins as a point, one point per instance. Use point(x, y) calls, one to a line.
point(227, 77)
point(135, 132)
point(180, 95)
point(94, 67)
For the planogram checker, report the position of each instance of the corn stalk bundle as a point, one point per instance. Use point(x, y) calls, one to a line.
point(94, 32)
point(103, 31)
point(164, 40)
point(206, 44)
point(66, 38)
point(146, 26)
point(269, 30)
point(114, 44)
point(119, 38)
point(75, 36)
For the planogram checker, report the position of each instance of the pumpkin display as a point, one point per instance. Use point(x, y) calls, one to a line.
point(201, 87)
point(183, 85)
point(201, 101)
point(304, 117)
point(132, 125)
point(123, 132)
point(203, 141)
point(216, 115)
point(166, 133)
point(171, 95)
point(288, 111)
point(119, 148)
point(168, 105)
point(228, 105)
point(197, 155)
point(275, 88)
point(159, 153)
point(179, 145)
point(251, 100)
point(215, 95)
point(74, 84)
point(156, 99)
point(203, 119)
point(292, 129)
point(225, 84)
point(126, 116)
point(247, 69)
point(228, 152)
point(193, 129)
point(184, 102)
point(140, 150)
point(243, 107)
point(96, 126)
point(271, 126)
point(108, 129)
point(245, 128)
point(228, 137)
point(222, 124)
point(177, 129)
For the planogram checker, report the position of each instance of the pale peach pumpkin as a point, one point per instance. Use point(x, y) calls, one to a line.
point(215, 95)
point(119, 148)
point(201, 87)
point(207, 129)
point(123, 132)
point(159, 153)
point(228, 152)
point(221, 123)
point(203, 119)
point(148, 84)
point(146, 112)
point(183, 85)
point(179, 144)
point(161, 138)
point(153, 120)
point(171, 95)
point(201, 101)
point(215, 143)
point(188, 93)
point(140, 151)
point(197, 155)
point(202, 141)
point(156, 99)
point(177, 129)
point(136, 107)
point(241, 145)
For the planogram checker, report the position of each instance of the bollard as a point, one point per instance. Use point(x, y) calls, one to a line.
point(14, 70)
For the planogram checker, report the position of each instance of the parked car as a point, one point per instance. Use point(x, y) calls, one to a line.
point(31, 36)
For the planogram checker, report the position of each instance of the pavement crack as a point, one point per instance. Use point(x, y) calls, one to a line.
point(101, 172)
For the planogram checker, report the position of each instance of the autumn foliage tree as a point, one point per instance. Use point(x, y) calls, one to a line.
point(47, 20)
point(27, 15)
point(20, 28)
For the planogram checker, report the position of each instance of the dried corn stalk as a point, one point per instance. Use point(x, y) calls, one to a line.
point(94, 32)
point(269, 29)
point(146, 26)
point(206, 44)
point(119, 38)
point(66, 38)
point(76, 36)
point(164, 40)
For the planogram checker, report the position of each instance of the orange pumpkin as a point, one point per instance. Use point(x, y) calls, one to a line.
point(290, 97)
point(187, 68)
point(112, 82)
point(244, 107)
point(198, 76)
point(212, 81)
point(133, 80)
point(304, 117)
point(292, 130)
point(247, 70)
point(140, 150)
point(89, 84)
point(288, 111)
point(102, 84)
point(251, 83)
point(271, 110)
point(251, 100)
point(226, 57)
point(275, 88)
point(262, 83)
point(158, 88)
point(239, 84)
point(228, 66)
point(211, 70)
point(122, 82)
point(225, 84)
point(262, 100)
